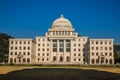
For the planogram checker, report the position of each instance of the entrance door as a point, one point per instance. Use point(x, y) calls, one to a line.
point(61, 59)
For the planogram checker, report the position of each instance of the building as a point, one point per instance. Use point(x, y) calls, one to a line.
point(61, 45)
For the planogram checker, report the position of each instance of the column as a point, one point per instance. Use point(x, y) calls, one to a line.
point(51, 50)
point(57, 55)
point(64, 52)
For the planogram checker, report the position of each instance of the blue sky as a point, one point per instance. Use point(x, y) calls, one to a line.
point(30, 18)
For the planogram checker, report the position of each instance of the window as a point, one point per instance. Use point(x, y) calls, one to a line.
point(47, 54)
point(38, 44)
point(54, 45)
point(11, 48)
point(38, 59)
point(54, 49)
point(19, 48)
point(110, 61)
point(105, 54)
point(61, 45)
point(59, 32)
point(79, 45)
point(28, 42)
point(11, 53)
point(15, 48)
point(74, 59)
point(68, 45)
point(110, 48)
point(92, 54)
point(47, 44)
point(47, 59)
point(43, 45)
point(15, 53)
point(24, 48)
point(105, 42)
point(28, 48)
point(43, 54)
point(106, 61)
point(47, 49)
point(101, 48)
point(43, 49)
point(74, 45)
point(79, 59)
point(105, 48)
point(110, 54)
point(54, 58)
point(96, 54)
point(79, 54)
point(96, 48)
point(28, 60)
point(23, 53)
point(92, 61)
point(20, 42)
point(15, 60)
point(38, 54)
point(96, 42)
point(56, 32)
point(53, 32)
point(68, 32)
point(38, 49)
point(101, 43)
point(62, 32)
point(78, 49)
point(65, 32)
point(28, 53)
point(92, 48)
point(74, 54)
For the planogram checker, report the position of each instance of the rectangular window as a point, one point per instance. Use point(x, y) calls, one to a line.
point(61, 45)
point(68, 45)
point(54, 45)
point(68, 32)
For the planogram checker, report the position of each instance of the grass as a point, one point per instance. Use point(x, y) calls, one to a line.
point(54, 72)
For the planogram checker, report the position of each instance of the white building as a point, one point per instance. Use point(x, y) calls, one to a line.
point(61, 45)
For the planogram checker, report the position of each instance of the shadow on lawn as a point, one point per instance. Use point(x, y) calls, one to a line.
point(59, 74)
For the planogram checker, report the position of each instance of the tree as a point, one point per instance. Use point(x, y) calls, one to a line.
point(117, 53)
point(4, 47)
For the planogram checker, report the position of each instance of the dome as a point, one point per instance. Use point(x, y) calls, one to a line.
point(62, 23)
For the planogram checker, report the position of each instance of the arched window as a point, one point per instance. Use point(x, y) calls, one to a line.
point(97, 61)
point(110, 61)
point(11, 60)
point(15, 60)
point(28, 60)
point(68, 59)
point(54, 58)
point(93, 61)
point(106, 61)
point(24, 60)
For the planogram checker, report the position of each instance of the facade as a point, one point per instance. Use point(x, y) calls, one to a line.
point(61, 45)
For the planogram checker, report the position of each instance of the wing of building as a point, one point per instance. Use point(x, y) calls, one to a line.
point(61, 45)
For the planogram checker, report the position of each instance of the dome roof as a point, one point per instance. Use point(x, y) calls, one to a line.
point(62, 23)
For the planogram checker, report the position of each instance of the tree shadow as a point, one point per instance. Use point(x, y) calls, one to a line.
point(59, 74)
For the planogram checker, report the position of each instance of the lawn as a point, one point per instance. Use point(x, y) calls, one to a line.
point(59, 73)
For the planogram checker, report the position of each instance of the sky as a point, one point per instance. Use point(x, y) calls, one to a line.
point(31, 18)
